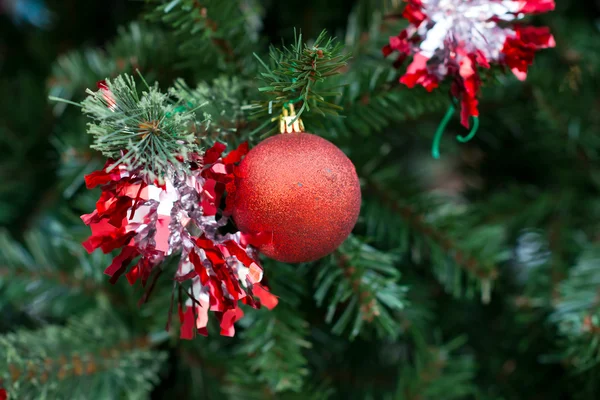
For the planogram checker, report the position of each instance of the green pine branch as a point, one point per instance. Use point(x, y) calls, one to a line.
point(274, 341)
point(213, 369)
point(93, 354)
point(136, 47)
point(443, 371)
point(360, 287)
point(296, 74)
point(373, 99)
point(148, 132)
point(52, 275)
point(575, 63)
point(371, 96)
point(223, 100)
point(77, 160)
point(577, 312)
point(219, 34)
point(274, 345)
point(456, 242)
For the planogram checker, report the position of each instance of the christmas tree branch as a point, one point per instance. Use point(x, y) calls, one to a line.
point(67, 366)
point(426, 368)
point(295, 76)
point(213, 31)
point(38, 273)
point(371, 96)
point(361, 283)
point(223, 100)
point(368, 305)
point(150, 133)
point(274, 340)
point(52, 274)
point(482, 270)
point(373, 99)
point(274, 345)
point(136, 47)
point(438, 372)
point(89, 355)
point(577, 311)
point(221, 43)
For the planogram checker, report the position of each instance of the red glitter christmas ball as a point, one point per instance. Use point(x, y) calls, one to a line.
point(301, 192)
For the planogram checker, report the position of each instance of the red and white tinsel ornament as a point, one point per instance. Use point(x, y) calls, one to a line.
point(152, 221)
point(452, 38)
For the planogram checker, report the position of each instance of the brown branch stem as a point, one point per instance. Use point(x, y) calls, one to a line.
point(417, 221)
point(68, 366)
point(368, 304)
point(222, 44)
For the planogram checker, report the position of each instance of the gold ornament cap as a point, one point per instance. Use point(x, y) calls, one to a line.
point(289, 122)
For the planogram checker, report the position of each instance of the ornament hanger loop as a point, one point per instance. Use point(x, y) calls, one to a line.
point(289, 122)
point(471, 135)
point(435, 147)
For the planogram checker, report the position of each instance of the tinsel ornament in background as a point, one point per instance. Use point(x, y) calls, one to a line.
point(161, 198)
point(453, 38)
point(298, 192)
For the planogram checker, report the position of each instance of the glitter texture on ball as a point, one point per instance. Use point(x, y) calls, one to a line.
point(299, 191)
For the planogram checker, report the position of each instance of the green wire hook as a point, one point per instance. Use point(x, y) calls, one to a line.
point(435, 147)
point(471, 135)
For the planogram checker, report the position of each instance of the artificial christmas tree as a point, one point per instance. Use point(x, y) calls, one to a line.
point(470, 276)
